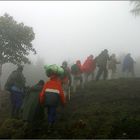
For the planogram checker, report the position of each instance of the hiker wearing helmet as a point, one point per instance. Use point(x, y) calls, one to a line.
point(88, 68)
point(15, 85)
point(76, 70)
point(66, 79)
point(112, 66)
point(52, 94)
point(101, 62)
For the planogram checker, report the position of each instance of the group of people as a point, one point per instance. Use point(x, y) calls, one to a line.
point(102, 65)
point(105, 66)
point(29, 104)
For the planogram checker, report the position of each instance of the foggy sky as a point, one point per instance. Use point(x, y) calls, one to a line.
point(71, 30)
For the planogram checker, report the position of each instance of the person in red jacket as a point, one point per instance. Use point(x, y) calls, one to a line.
point(89, 67)
point(51, 95)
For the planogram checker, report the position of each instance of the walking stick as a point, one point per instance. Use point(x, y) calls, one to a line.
point(69, 93)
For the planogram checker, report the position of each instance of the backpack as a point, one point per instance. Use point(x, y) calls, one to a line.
point(98, 60)
point(74, 69)
point(53, 69)
point(52, 99)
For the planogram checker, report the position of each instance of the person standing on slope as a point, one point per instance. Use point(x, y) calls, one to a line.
point(76, 70)
point(52, 95)
point(16, 85)
point(66, 79)
point(101, 62)
point(112, 67)
point(88, 68)
point(128, 66)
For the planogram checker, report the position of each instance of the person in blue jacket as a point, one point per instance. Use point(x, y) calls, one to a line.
point(128, 65)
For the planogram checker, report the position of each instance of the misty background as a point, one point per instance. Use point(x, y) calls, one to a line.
point(71, 30)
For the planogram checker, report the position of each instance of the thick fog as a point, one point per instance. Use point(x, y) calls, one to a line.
point(71, 30)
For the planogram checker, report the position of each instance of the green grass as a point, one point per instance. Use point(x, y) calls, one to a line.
point(103, 109)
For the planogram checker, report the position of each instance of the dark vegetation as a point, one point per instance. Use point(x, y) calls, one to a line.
point(15, 42)
point(103, 109)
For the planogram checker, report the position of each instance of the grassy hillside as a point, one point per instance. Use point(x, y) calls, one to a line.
point(103, 109)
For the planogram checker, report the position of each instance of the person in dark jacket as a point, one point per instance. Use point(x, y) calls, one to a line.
point(128, 65)
point(101, 62)
point(76, 70)
point(32, 111)
point(66, 80)
point(15, 85)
